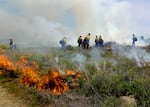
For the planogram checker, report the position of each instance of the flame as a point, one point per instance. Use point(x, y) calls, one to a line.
point(29, 77)
point(1, 72)
point(25, 62)
point(58, 83)
point(29, 71)
point(6, 64)
point(75, 75)
point(55, 82)
point(70, 73)
point(32, 77)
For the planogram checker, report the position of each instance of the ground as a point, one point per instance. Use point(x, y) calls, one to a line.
point(8, 100)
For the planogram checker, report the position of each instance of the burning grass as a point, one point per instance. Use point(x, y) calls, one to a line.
point(104, 81)
point(31, 75)
point(6, 64)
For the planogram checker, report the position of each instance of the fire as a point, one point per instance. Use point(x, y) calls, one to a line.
point(32, 77)
point(75, 77)
point(55, 82)
point(6, 64)
point(1, 72)
point(29, 71)
point(29, 77)
point(70, 73)
point(24, 62)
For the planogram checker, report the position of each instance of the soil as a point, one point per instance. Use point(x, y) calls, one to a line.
point(8, 100)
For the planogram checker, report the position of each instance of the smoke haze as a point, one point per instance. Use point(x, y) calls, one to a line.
point(43, 23)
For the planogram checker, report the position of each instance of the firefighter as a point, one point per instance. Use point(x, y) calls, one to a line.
point(101, 41)
point(134, 39)
point(79, 41)
point(63, 43)
point(96, 42)
point(86, 41)
point(12, 44)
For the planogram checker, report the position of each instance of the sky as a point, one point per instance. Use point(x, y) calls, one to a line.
point(34, 23)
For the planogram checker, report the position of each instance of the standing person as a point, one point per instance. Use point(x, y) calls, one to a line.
point(101, 41)
point(63, 43)
point(12, 44)
point(96, 42)
point(87, 40)
point(79, 41)
point(134, 39)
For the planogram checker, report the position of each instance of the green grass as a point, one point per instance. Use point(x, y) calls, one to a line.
point(110, 78)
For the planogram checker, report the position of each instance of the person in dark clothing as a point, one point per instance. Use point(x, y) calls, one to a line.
point(86, 41)
point(134, 39)
point(12, 44)
point(63, 43)
point(101, 41)
point(96, 42)
point(79, 41)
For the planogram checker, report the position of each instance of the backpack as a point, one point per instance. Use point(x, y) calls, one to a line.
point(135, 39)
point(101, 41)
point(61, 42)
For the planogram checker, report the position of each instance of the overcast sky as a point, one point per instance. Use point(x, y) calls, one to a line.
point(45, 22)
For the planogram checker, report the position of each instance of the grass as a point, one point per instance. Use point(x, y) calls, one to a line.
point(109, 78)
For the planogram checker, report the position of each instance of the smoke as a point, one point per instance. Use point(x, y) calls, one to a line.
point(137, 54)
point(43, 23)
point(96, 54)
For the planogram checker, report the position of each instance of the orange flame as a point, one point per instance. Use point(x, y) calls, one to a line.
point(55, 82)
point(31, 76)
point(6, 64)
point(29, 71)
point(58, 83)
point(24, 62)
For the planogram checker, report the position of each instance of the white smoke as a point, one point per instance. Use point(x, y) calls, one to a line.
point(44, 23)
point(137, 54)
point(78, 58)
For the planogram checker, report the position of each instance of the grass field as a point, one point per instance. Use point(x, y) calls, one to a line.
point(106, 77)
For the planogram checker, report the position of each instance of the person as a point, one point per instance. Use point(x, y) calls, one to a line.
point(134, 39)
point(12, 44)
point(101, 41)
point(63, 43)
point(96, 42)
point(79, 41)
point(86, 41)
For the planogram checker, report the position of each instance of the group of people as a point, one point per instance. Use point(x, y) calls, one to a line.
point(82, 42)
point(99, 41)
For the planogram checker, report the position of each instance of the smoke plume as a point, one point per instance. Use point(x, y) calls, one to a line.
point(43, 23)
